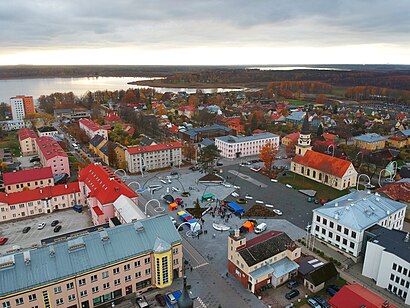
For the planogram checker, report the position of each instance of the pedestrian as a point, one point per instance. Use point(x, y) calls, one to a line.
point(213, 235)
point(226, 274)
point(191, 268)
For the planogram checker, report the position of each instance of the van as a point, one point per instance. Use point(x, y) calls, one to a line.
point(260, 228)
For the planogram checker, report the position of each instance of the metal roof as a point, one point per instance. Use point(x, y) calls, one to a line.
point(76, 256)
point(235, 139)
point(195, 131)
point(372, 137)
point(296, 115)
point(359, 209)
point(128, 209)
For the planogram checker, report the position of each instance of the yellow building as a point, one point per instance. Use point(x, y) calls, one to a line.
point(370, 142)
point(397, 141)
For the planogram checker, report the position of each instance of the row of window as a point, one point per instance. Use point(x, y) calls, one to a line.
point(29, 183)
point(337, 238)
point(399, 280)
point(339, 228)
point(396, 290)
point(400, 269)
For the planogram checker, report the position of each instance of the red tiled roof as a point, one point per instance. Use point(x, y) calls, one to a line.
point(397, 191)
point(39, 193)
point(325, 163)
point(11, 178)
point(104, 185)
point(98, 211)
point(112, 117)
point(90, 124)
point(187, 108)
point(49, 147)
point(25, 133)
point(328, 136)
point(174, 129)
point(355, 295)
point(293, 136)
point(156, 147)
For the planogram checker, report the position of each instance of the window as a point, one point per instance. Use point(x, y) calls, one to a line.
point(6, 305)
point(19, 301)
point(148, 271)
point(59, 301)
point(339, 228)
point(175, 251)
point(127, 278)
point(391, 277)
point(344, 241)
point(176, 262)
point(93, 278)
point(94, 289)
point(397, 280)
point(57, 290)
point(81, 282)
point(353, 234)
point(338, 238)
point(70, 285)
point(324, 221)
point(117, 282)
point(137, 263)
point(400, 268)
point(127, 267)
point(405, 272)
point(106, 286)
point(83, 293)
point(352, 245)
point(330, 234)
point(71, 297)
point(318, 218)
point(346, 231)
point(32, 297)
point(147, 260)
point(394, 266)
point(317, 228)
point(137, 274)
point(323, 231)
point(116, 270)
point(402, 282)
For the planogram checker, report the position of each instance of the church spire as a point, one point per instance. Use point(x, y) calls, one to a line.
point(305, 126)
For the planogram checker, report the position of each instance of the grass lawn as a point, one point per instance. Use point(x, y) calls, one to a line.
point(300, 182)
point(10, 140)
point(338, 91)
point(298, 102)
point(71, 158)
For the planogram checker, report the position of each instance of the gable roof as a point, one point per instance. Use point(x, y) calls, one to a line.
point(11, 178)
point(91, 125)
point(96, 140)
point(104, 184)
point(325, 163)
point(155, 147)
point(369, 138)
point(293, 136)
point(322, 274)
point(25, 133)
point(265, 246)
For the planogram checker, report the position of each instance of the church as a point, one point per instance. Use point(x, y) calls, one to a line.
point(328, 170)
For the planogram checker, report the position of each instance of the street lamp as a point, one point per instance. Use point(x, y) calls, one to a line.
point(368, 184)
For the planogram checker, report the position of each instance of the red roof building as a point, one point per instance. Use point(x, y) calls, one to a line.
point(52, 155)
point(25, 133)
point(329, 137)
point(28, 179)
point(27, 139)
point(356, 296)
point(399, 191)
point(91, 128)
point(102, 188)
point(290, 139)
point(154, 148)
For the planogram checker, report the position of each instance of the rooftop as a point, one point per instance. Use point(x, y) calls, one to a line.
point(359, 210)
point(46, 129)
point(155, 147)
point(194, 131)
point(25, 133)
point(23, 176)
point(49, 147)
point(128, 209)
point(90, 124)
point(96, 140)
point(53, 262)
point(236, 139)
point(394, 241)
point(296, 116)
point(399, 191)
point(369, 138)
point(322, 274)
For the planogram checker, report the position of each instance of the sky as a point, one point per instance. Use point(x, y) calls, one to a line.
point(205, 32)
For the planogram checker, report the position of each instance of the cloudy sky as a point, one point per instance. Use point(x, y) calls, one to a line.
point(204, 32)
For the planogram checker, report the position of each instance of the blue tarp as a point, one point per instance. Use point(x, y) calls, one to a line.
point(177, 295)
point(237, 209)
point(192, 221)
point(182, 217)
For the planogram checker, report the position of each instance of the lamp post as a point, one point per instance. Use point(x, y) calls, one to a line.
point(368, 184)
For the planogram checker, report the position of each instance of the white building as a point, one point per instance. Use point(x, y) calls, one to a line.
point(387, 260)
point(17, 108)
point(343, 221)
point(235, 147)
point(10, 125)
point(151, 157)
point(91, 128)
point(126, 210)
point(47, 131)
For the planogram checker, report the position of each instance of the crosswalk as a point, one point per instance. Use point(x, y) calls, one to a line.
point(200, 265)
point(201, 303)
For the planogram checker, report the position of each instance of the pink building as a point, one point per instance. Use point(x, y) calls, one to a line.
point(91, 128)
point(51, 154)
point(38, 201)
point(28, 179)
point(101, 188)
point(27, 140)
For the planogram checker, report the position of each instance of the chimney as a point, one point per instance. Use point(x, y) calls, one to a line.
point(236, 233)
point(65, 186)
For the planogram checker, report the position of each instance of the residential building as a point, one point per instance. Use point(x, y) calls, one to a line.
point(21, 106)
point(296, 117)
point(196, 135)
point(95, 268)
point(342, 222)
point(356, 295)
point(269, 258)
point(11, 125)
point(387, 260)
point(405, 133)
point(102, 188)
point(51, 154)
point(91, 128)
point(290, 139)
point(27, 139)
point(99, 146)
point(397, 141)
point(321, 273)
point(39, 201)
point(328, 170)
point(142, 158)
point(235, 147)
point(28, 179)
point(48, 131)
point(72, 114)
point(370, 142)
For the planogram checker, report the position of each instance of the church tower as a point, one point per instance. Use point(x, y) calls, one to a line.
point(304, 138)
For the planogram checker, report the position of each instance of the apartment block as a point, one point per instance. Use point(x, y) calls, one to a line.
point(91, 128)
point(52, 155)
point(21, 106)
point(28, 179)
point(27, 139)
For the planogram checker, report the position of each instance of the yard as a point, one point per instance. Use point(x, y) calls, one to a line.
point(10, 140)
point(298, 102)
point(300, 182)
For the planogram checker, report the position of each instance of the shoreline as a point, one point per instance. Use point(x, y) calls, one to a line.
point(194, 85)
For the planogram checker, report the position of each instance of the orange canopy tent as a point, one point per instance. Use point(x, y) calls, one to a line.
point(173, 206)
point(248, 225)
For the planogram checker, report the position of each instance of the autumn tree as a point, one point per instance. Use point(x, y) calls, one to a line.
point(321, 99)
point(207, 157)
point(189, 151)
point(112, 155)
point(268, 155)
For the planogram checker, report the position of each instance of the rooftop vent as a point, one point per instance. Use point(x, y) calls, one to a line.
point(76, 244)
point(336, 204)
point(407, 238)
point(52, 251)
point(104, 236)
point(27, 258)
point(337, 216)
point(138, 226)
point(7, 261)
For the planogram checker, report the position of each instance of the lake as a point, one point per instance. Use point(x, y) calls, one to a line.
point(292, 68)
point(79, 86)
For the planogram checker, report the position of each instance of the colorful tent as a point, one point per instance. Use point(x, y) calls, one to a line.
point(235, 208)
point(173, 206)
point(181, 213)
point(182, 217)
point(188, 218)
point(248, 225)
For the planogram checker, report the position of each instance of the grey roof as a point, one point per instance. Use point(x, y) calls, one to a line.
point(359, 209)
point(278, 269)
point(296, 116)
point(372, 137)
point(90, 252)
point(45, 129)
point(392, 240)
point(406, 132)
point(194, 131)
point(207, 142)
point(235, 139)
point(104, 148)
point(96, 140)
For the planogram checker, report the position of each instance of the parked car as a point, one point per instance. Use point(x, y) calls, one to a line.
point(176, 189)
point(260, 228)
point(57, 228)
point(54, 223)
point(248, 196)
point(78, 208)
point(160, 300)
point(41, 226)
point(293, 283)
point(335, 287)
point(26, 229)
point(256, 169)
point(292, 294)
point(331, 291)
point(312, 303)
point(142, 302)
point(277, 212)
point(174, 173)
point(235, 194)
point(3, 240)
point(321, 301)
point(219, 164)
point(171, 298)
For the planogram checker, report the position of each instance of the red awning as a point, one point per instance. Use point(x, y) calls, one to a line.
point(98, 211)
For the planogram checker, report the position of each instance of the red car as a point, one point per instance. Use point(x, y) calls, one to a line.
point(3, 240)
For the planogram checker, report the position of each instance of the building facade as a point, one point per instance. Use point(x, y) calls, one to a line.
point(91, 128)
point(47, 131)
point(235, 147)
point(152, 157)
point(342, 222)
point(370, 142)
point(52, 155)
point(28, 179)
point(196, 135)
point(21, 106)
point(93, 269)
point(268, 259)
point(387, 260)
point(11, 125)
point(27, 140)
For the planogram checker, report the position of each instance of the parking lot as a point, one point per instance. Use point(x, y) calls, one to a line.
point(69, 220)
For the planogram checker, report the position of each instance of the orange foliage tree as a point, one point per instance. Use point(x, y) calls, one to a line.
point(268, 155)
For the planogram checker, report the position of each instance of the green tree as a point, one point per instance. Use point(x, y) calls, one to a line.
point(207, 157)
point(319, 131)
point(112, 155)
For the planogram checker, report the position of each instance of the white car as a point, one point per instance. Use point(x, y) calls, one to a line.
point(274, 180)
point(235, 194)
point(259, 201)
point(236, 187)
point(256, 169)
point(176, 189)
point(247, 196)
point(226, 185)
point(41, 226)
point(277, 212)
